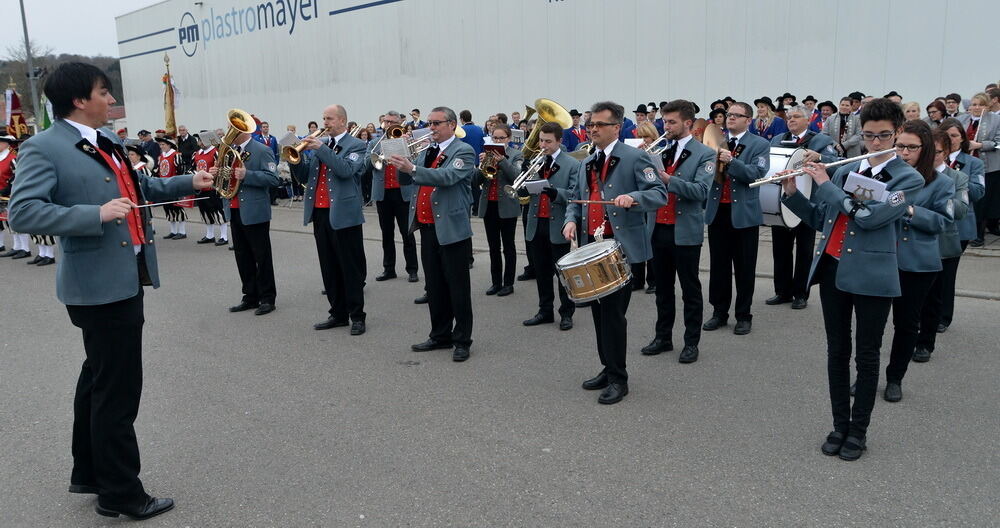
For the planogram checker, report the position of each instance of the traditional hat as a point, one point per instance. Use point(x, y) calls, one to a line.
point(766, 100)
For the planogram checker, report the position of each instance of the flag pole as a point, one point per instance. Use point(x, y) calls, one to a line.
point(30, 65)
point(168, 100)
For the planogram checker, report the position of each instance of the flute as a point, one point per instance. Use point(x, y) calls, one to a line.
point(794, 174)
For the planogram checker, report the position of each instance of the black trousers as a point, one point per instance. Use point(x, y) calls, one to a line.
point(544, 255)
point(611, 328)
point(252, 249)
point(791, 275)
point(871, 314)
point(342, 265)
point(105, 450)
point(906, 309)
point(948, 291)
point(529, 269)
point(670, 261)
point(394, 211)
point(449, 295)
point(733, 253)
point(932, 313)
point(500, 237)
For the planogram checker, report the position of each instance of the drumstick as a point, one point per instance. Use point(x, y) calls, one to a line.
point(173, 202)
point(587, 202)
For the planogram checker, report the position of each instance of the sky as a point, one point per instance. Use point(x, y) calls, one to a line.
point(65, 27)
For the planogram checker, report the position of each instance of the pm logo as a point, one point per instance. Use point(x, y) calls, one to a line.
point(187, 34)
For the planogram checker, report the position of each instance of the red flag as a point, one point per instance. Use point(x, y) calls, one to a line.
point(16, 125)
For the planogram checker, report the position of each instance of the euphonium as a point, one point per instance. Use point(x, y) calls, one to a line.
point(548, 110)
point(294, 153)
point(226, 184)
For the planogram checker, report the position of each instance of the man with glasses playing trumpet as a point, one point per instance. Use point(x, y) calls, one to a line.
point(333, 204)
point(440, 210)
point(500, 211)
point(392, 192)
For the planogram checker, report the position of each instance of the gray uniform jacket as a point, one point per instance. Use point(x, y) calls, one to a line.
point(690, 183)
point(564, 177)
point(816, 142)
point(62, 182)
point(451, 199)
point(974, 168)
point(989, 136)
point(852, 137)
point(917, 236)
point(949, 244)
point(509, 167)
point(254, 193)
point(868, 264)
point(751, 164)
point(631, 172)
point(406, 187)
point(343, 181)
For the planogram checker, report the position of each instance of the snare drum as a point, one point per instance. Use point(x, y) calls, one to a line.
point(594, 270)
point(776, 214)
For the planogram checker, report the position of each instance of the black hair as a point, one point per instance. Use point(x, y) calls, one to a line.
point(925, 162)
point(684, 108)
point(312, 123)
point(951, 122)
point(465, 115)
point(882, 109)
point(551, 127)
point(71, 81)
point(617, 110)
point(953, 97)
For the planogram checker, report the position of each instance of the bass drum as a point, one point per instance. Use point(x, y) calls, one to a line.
point(594, 270)
point(776, 214)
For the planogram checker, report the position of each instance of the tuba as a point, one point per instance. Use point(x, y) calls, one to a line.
point(547, 110)
point(226, 184)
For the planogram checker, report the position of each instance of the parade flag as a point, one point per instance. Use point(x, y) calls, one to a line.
point(46, 119)
point(14, 118)
point(168, 100)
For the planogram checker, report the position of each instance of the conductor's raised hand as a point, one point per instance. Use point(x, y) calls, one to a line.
point(116, 209)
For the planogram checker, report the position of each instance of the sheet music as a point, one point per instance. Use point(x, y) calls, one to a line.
point(536, 186)
point(865, 188)
point(396, 147)
point(288, 139)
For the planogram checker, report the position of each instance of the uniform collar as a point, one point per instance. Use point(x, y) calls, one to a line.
point(88, 133)
point(877, 169)
point(682, 142)
point(739, 136)
point(168, 153)
point(954, 155)
point(607, 150)
point(556, 154)
point(243, 146)
point(339, 137)
point(941, 167)
point(444, 144)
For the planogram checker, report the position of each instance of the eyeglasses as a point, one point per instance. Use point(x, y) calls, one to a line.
point(438, 123)
point(884, 136)
point(501, 138)
point(911, 148)
point(939, 151)
point(598, 124)
point(731, 114)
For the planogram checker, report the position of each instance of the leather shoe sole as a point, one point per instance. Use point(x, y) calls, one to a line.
point(264, 309)
point(460, 354)
point(427, 346)
point(833, 442)
point(714, 324)
point(598, 382)
point(566, 323)
point(539, 319)
point(152, 508)
point(83, 488)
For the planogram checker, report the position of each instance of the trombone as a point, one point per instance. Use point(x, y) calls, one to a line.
point(529, 174)
point(294, 153)
point(776, 178)
point(394, 132)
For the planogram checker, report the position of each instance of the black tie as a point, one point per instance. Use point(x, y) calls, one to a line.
point(601, 159)
point(547, 165)
point(668, 156)
point(732, 144)
point(432, 154)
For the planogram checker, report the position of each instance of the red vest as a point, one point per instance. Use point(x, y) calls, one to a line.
point(425, 213)
point(544, 207)
point(668, 213)
point(127, 189)
point(391, 177)
point(6, 172)
point(168, 165)
point(595, 212)
point(322, 190)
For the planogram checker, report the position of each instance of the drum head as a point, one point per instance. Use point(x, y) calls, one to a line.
point(587, 253)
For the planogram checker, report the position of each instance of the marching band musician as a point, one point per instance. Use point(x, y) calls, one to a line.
point(74, 182)
point(171, 164)
point(333, 204)
point(678, 231)
point(734, 216)
point(249, 214)
point(8, 163)
point(546, 215)
point(982, 128)
point(440, 210)
point(931, 211)
point(625, 175)
point(211, 208)
point(500, 214)
point(791, 274)
point(856, 268)
point(392, 193)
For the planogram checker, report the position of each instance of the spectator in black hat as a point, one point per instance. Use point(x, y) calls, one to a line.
point(149, 144)
point(767, 124)
point(810, 103)
point(826, 109)
point(856, 98)
point(894, 97)
point(575, 134)
point(717, 104)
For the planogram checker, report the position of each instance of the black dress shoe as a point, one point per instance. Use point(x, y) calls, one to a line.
point(976, 243)
point(799, 303)
point(689, 354)
point(10, 253)
point(565, 323)
point(205, 240)
point(493, 290)
point(942, 328)
point(597, 382)
point(357, 327)
point(170, 236)
point(180, 236)
point(778, 299)
point(221, 242)
point(152, 508)
point(714, 323)
point(538, 319)
point(36, 260)
point(613, 393)
point(46, 261)
point(243, 306)
point(84, 489)
point(742, 327)
point(460, 354)
point(833, 442)
point(385, 275)
point(20, 254)
point(921, 355)
point(413, 278)
point(893, 392)
point(421, 300)
point(430, 344)
point(656, 346)
point(526, 277)
point(651, 290)
point(505, 291)
point(331, 322)
point(264, 309)
point(852, 448)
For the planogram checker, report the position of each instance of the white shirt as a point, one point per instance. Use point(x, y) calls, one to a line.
point(877, 169)
point(243, 146)
point(4, 154)
point(339, 137)
point(86, 132)
point(681, 143)
point(609, 148)
point(952, 156)
point(941, 167)
point(739, 136)
point(444, 144)
point(168, 153)
point(554, 155)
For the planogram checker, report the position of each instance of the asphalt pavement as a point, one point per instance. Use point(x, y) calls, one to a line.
point(262, 421)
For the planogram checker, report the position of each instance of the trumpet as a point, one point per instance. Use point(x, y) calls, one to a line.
point(378, 159)
point(490, 164)
point(393, 132)
point(796, 173)
point(529, 174)
point(653, 149)
point(294, 153)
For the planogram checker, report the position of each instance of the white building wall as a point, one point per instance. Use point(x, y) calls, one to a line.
point(498, 55)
